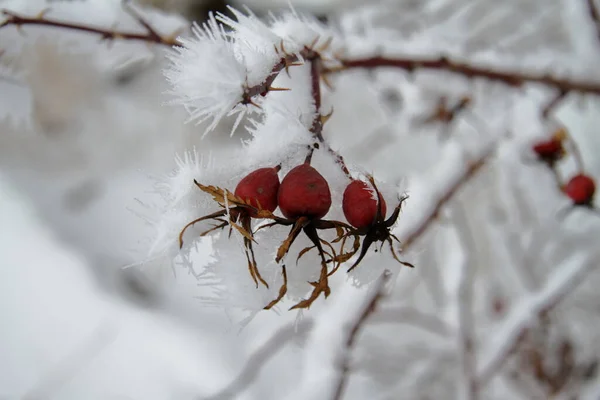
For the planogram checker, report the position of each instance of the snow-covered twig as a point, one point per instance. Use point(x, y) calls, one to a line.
point(560, 284)
point(326, 360)
point(102, 336)
point(376, 295)
point(466, 323)
point(429, 212)
point(413, 317)
point(261, 356)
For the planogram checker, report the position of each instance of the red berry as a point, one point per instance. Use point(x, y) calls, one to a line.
point(549, 150)
point(581, 189)
point(259, 189)
point(304, 193)
point(360, 208)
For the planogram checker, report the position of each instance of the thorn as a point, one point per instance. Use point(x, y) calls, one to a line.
point(327, 81)
point(172, 38)
point(291, 64)
point(276, 49)
point(254, 104)
point(325, 118)
point(325, 45)
point(283, 48)
point(276, 89)
point(42, 13)
point(19, 29)
point(314, 42)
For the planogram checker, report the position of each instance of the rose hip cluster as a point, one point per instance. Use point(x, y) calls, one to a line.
point(580, 188)
point(304, 199)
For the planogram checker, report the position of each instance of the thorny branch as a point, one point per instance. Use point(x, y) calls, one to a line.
point(151, 35)
point(511, 78)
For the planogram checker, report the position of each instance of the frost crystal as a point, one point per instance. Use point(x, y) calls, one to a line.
point(206, 76)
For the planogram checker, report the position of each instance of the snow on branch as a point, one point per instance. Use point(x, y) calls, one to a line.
point(430, 207)
point(261, 356)
point(327, 358)
point(559, 285)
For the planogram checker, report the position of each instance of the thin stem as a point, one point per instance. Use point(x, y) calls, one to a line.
point(378, 293)
point(150, 35)
point(594, 16)
point(511, 78)
point(422, 227)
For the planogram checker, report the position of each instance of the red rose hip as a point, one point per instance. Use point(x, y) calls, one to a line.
point(259, 189)
point(581, 189)
point(360, 206)
point(551, 150)
point(304, 193)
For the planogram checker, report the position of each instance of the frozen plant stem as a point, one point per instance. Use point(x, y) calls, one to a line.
point(377, 294)
point(559, 285)
point(511, 78)
point(260, 357)
point(594, 16)
point(419, 229)
point(466, 323)
point(150, 36)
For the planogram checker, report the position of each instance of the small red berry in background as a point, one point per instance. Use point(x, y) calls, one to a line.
point(360, 204)
point(552, 150)
point(581, 189)
point(259, 189)
point(304, 193)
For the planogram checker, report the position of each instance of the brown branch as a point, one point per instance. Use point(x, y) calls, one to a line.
point(552, 104)
point(594, 15)
point(511, 78)
point(150, 36)
point(356, 327)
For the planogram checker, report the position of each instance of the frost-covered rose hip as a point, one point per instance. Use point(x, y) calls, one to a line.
point(304, 193)
point(256, 192)
point(259, 189)
point(360, 204)
point(581, 189)
point(364, 208)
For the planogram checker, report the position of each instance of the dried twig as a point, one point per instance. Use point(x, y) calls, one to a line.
point(150, 35)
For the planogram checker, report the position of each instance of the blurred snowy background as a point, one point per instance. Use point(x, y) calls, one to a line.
point(87, 313)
